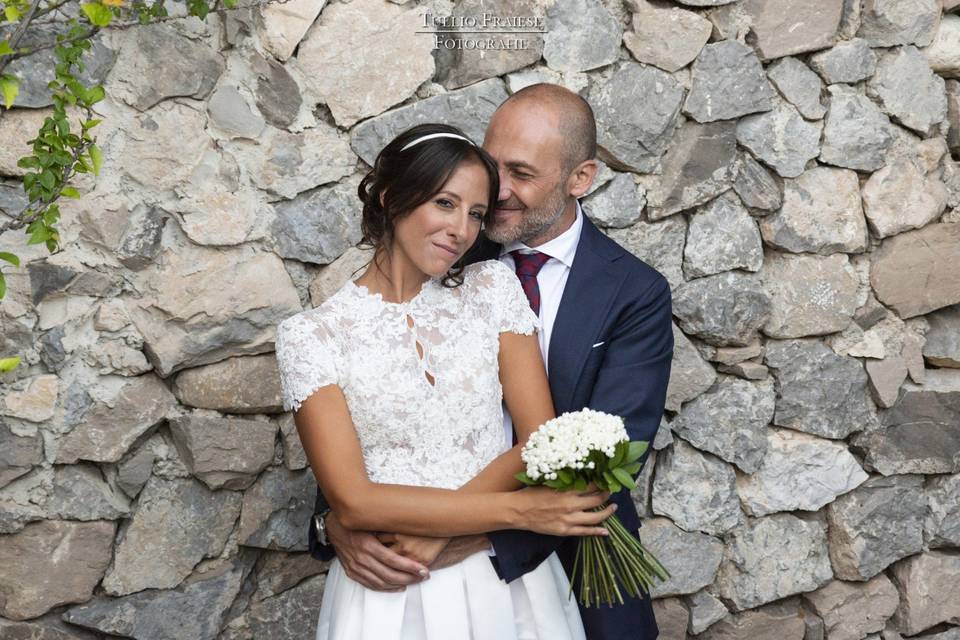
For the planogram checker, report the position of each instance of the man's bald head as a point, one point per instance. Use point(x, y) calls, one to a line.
point(574, 117)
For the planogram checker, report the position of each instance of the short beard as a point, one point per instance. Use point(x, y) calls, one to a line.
point(533, 222)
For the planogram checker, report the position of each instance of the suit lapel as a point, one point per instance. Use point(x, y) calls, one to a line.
point(590, 290)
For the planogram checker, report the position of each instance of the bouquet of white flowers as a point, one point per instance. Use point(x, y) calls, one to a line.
point(570, 452)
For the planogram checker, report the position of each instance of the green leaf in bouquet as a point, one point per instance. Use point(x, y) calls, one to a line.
point(580, 483)
point(633, 468)
point(637, 449)
point(525, 479)
point(566, 476)
point(619, 454)
point(624, 478)
point(612, 485)
point(556, 484)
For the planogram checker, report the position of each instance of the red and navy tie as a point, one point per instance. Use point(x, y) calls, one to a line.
point(528, 266)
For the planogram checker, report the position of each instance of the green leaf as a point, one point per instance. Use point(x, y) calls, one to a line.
point(525, 479)
point(612, 485)
point(96, 158)
point(555, 484)
point(566, 476)
point(9, 257)
point(637, 449)
point(47, 179)
point(98, 14)
point(12, 13)
point(624, 478)
point(633, 468)
point(90, 124)
point(580, 484)
point(7, 364)
point(70, 192)
point(619, 453)
point(10, 88)
point(28, 162)
point(96, 94)
point(5, 48)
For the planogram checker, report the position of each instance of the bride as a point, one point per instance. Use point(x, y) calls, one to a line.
point(396, 383)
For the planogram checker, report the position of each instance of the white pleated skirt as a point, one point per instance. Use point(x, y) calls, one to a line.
point(465, 601)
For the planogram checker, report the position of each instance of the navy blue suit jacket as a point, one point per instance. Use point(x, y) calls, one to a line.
point(615, 299)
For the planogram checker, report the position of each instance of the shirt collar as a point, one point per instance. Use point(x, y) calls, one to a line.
point(562, 248)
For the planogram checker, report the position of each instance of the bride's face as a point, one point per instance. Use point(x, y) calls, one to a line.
point(438, 232)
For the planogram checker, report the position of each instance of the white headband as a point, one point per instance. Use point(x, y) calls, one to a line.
point(435, 135)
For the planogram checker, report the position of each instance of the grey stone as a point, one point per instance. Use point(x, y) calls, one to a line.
point(875, 525)
point(781, 138)
point(723, 309)
point(671, 617)
point(294, 611)
point(770, 558)
point(469, 109)
point(281, 26)
point(943, 54)
point(177, 523)
point(294, 456)
point(746, 370)
point(821, 214)
point(820, 392)
point(886, 376)
point(580, 35)
point(942, 525)
point(618, 204)
point(909, 90)
point(202, 305)
point(730, 421)
point(851, 610)
point(18, 453)
point(733, 355)
point(276, 510)
point(722, 236)
point(659, 244)
point(799, 85)
point(134, 471)
point(194, 611)
point(230, 112)
point(51, 563)
point(392, 52)
point(458, 66)
point(691, 558)
point(756, 186)
point(37, 70)
point(277, 93)
point(224, 453)
point(224, 385)
point(922, 433)
point(787, 27)
point(705, 609)
point(636, 112)
point(318, 226)
point(856, 133)
point(665, 36)
point(925, 255)
point(679, 467)
point(700, 164)
point(888, 23)
point(902, 181)
point(727, 81)
point(942, 347)
point(927, 583)
point(140, 243)
point(80, 493)
point(798, 472)
point(850, 61)
point(690, 374)
point(47, 278)
point(109, 429)
point(25, 499)
point(192, 70)
point(809, 294)
point(772, 622)
point(330, 278)
point(48, 627)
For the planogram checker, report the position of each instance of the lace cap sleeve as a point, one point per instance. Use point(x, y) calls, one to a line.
point(503, 297)
point(307, 357)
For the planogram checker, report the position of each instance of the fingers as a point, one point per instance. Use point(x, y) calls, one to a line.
point(588, 531)
point(370, 580)
point(397, 563)
point(387, 538)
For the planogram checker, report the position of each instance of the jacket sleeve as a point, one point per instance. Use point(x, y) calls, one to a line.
point(317, 550)
point(632, 383)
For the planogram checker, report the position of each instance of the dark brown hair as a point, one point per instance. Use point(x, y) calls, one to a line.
point(405, 179)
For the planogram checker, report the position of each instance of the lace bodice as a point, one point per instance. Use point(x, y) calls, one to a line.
point(429, 420)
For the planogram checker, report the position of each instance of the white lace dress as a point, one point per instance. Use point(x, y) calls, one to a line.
point(428, 420)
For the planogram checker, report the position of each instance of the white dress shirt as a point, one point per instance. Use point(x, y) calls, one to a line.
point(552, 279)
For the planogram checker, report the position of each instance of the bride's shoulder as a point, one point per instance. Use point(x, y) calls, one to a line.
point(318, 320)
point(487, 274)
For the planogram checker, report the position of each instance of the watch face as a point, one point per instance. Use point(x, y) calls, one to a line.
point(318, 523)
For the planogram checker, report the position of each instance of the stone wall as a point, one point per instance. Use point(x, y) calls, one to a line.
point(785, 163)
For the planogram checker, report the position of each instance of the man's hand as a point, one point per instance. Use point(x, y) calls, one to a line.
point(366, 560)
point(459, 548)
point(423, 549)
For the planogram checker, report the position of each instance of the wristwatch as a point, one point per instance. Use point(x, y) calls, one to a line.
point(320, 523)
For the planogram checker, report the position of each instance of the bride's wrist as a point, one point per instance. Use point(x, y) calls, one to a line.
point(515, 511)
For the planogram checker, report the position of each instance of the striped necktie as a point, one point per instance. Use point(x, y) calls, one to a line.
point(528, 266)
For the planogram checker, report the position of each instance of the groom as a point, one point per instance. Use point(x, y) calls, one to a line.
point(607, 337)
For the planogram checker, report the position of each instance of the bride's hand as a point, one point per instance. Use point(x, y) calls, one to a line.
point(563, 513)
point(420, 548)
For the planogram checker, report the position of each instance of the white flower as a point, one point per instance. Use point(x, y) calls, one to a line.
point(568, 440)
